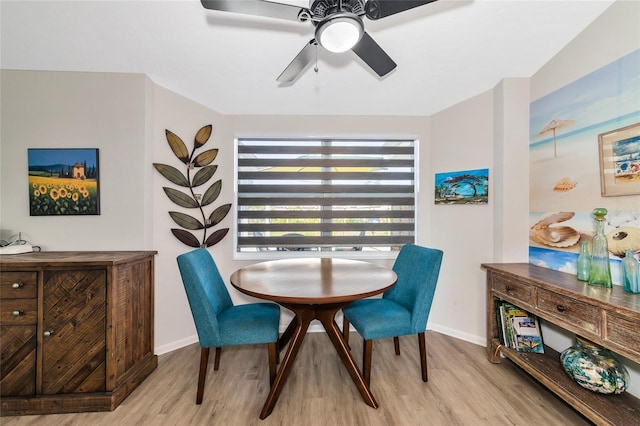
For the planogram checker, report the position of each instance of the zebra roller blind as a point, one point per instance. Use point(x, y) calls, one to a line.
point(325, 195)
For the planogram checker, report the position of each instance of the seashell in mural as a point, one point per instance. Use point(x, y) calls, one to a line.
point(551, 218)
point(557, 236)
point(623, 238)
point(565, 184)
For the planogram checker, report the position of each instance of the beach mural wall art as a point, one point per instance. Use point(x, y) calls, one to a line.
point(584, 153)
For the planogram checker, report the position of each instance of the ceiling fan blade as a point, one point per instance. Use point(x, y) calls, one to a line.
point(260, 8)
point(377, 9)
point(299, 63)
point(373, 55)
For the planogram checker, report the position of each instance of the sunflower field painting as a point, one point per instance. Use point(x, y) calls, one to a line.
point(63, 182)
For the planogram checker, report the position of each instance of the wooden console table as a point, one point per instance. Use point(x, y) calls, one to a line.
point(76, 330)
point(609, 317)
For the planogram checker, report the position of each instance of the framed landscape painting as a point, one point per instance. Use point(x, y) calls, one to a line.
point(63, 182)
point(462, 187)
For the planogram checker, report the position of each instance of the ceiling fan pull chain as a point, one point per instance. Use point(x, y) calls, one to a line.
point(315, 68)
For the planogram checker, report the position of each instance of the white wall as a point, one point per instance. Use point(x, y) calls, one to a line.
point(511, 170)
point(78, 110)
point(487, 131)
point(462, 139)
point(613, 35)
point(174, 323)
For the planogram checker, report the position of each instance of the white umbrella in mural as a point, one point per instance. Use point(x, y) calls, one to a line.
point(551, 127)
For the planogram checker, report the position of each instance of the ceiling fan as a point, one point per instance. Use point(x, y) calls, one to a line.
point(338, 25)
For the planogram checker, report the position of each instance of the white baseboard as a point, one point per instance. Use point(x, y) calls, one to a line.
point(478, 340)
point(170, 347)
point(178, 344)
point(315, 328)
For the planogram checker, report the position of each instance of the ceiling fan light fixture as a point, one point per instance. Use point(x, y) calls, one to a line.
point(340, 33)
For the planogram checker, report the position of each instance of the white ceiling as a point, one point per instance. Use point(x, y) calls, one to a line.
point(446, 51)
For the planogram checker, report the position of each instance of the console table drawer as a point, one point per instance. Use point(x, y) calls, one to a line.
point(514, 289)
point(570, 311)
point(622, 332)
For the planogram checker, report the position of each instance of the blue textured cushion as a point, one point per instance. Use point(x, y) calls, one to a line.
point(249, 324)
point(218, 322)
point(403, 309)
point(378, 318)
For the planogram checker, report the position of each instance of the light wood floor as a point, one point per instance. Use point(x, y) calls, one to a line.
point(463, 389)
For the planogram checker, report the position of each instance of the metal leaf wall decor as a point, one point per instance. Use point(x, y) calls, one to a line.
point(199, 171)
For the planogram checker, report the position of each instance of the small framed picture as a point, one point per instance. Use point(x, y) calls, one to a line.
point(462, 187)
point(620, 161)
point(63, 182)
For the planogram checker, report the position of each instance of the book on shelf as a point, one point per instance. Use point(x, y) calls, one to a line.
point(500, 321)
point(518, 329)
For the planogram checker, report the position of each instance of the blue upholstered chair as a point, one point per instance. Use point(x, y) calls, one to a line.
point(220, 323)
point(402, 310)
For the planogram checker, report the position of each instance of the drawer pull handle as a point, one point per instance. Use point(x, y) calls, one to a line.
point(48, 333)
point(17, 312)
point(17, 285)
point(561, 308)
point(509, 289)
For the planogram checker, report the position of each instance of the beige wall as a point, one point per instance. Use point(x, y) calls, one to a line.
point(487, 131)
point(174, 323)
point(78, 110)
point(613, 35)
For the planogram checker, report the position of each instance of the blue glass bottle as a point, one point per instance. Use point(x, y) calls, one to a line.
point(600, 269)
point(630, 273)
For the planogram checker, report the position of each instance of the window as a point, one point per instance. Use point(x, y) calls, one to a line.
point(329, 195)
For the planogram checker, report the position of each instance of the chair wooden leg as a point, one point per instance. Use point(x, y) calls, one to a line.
point(345, 330)
point(202, 376)
point(423, 356)
point(273, 355)
point(396, 345)
point(366, 361)
point(216, 362)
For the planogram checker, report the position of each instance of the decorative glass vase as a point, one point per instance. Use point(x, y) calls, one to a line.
point(600, 269)
point(594, 367)
point(630, 273)
point(584, 262)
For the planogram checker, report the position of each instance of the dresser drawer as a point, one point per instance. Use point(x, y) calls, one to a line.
point(19, 311)
point(513, 289)
point(18, 285)
point(570, 311)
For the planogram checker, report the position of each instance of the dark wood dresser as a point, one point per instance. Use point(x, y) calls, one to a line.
point(609, 317)
point(76, 329)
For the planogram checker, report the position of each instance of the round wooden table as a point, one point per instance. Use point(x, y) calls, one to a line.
point(313, 288)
